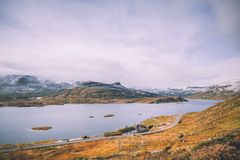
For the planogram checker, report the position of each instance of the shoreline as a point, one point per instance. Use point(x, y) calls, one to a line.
point(28, 146)
point(46, 102)
point(103, 133)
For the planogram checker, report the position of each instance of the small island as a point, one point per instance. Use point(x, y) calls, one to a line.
point(43, 128)
point(108, 115)
point(91, 116)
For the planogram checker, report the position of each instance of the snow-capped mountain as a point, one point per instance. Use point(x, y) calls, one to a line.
point(32, 86)
point(224, 89)
point(27, 84)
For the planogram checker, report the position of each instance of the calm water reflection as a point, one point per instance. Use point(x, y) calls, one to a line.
point(72, 120)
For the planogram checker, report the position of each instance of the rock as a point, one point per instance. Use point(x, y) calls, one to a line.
point(85, 137)
point(43, 128)
point(150, 127)
point(108, 115)
point(116, 83)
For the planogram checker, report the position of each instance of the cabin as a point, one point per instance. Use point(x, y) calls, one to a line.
point(141, 128)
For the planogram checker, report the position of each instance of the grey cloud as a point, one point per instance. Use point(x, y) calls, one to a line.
point(141, 43)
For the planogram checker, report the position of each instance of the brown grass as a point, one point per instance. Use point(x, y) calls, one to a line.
point(195, 128)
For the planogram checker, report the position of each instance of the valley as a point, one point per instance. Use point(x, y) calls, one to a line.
point(216, 128)
point(201, 132)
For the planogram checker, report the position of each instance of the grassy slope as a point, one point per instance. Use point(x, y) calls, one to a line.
point(194, 130)
point(88, 95)
point(219, 95)
point(74, 100)
point(91, 95)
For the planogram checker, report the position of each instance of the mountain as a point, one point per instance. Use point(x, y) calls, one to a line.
point(217, 91)
point(27, 86)
point(97, 92)
point(25, 90)
point(28, 82)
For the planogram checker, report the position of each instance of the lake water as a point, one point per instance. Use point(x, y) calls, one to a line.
point(72, 120)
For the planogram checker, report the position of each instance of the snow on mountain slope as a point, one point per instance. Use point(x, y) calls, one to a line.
point(230, 86)
point(27, 83)
point(25, 86)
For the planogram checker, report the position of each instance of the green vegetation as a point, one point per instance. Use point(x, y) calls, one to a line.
point(127, 129)
point(113, 133)
point(7, 146)
point(120, 131)
point(10, 96)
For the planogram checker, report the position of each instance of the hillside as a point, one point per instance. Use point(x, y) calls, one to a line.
point(27, 90)
point(213, 133)
point(211, 94)
point(218, 91)
point(94, 92)
point(27, 86)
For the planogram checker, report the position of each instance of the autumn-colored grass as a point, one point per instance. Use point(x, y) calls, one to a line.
point(193, 130)
point(159, 121)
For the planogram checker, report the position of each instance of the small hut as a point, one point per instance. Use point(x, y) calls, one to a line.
point(141, 128)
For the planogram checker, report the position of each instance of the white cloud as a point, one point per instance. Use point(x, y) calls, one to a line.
point(140, 43)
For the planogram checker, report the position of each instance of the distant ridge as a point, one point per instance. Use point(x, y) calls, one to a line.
point(25, 90)
point(221, 90)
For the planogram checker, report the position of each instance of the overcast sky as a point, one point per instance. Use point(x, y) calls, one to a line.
point(149, 43)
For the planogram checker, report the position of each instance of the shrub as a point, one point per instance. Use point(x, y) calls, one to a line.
point(126, 129)
point(221, 140)
point(113, 133)
point(218, 151)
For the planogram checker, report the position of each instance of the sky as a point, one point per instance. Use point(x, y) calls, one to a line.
point(141, 43)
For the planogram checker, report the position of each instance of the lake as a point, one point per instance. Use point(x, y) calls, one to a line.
point(72, 120)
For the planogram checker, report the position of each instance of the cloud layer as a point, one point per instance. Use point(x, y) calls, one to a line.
point(146, 43)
